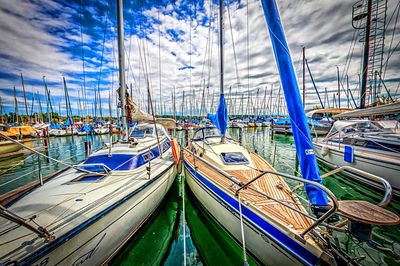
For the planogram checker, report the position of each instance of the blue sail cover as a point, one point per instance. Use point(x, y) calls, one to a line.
point(220, 119)
point(301, 133)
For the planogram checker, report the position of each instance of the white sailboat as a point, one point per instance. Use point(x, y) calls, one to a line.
point(253, 202)
point(83, 215)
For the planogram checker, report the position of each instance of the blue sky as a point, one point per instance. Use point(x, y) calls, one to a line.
point(174, 43)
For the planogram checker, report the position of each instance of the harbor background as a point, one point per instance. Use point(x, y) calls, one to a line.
point(206, 242)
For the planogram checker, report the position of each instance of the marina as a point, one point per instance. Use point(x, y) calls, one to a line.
point(200, 133)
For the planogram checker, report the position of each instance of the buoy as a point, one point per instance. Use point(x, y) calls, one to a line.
point(176, 151)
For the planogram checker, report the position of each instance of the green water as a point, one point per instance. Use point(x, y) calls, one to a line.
point(160, 241)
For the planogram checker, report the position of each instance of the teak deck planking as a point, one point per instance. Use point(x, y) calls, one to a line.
point(271, 184)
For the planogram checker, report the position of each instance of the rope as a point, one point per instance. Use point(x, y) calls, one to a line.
point(182, 176)
point(242, 232)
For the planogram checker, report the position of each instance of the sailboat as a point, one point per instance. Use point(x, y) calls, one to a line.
point(84, 214)
point(253, 202)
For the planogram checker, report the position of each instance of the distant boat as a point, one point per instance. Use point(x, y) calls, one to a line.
point(101, 130)
point(7, 147)
point(284, 126)
point(364, 145)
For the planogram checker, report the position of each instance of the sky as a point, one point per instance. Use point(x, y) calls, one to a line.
point(174, 45)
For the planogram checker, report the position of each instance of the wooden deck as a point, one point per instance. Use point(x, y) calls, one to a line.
point(270, 184)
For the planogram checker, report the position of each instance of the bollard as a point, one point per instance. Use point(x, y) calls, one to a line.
point(273, 160)
point(296, 166)
point(40, 170)
point(46, 142)
point(240, 135)
point(186, 137)
point(88, 148)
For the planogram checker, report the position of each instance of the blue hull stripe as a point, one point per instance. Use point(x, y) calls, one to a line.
point(60, 240)
point(290, 245)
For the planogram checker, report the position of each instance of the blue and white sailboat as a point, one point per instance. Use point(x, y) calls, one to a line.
point(250, 199)
point(84, 214)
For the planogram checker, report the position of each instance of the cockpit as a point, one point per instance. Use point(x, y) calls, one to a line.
point(208, 133)
point(146, 130)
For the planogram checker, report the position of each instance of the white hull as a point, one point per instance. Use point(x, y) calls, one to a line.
point(100, 241)
point(258, 242)
point(9, 146)
point(57, 132)
point(373, 163)
point(96, 237)
point(90, 216)
point(101, 131)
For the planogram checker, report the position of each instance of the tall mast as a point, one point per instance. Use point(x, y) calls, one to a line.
point(26, 104)
point(365, 58)
point(49, 107)
point(221, 43)
point(304, 77)
point(338, 85)
point(16, 106)
point(221, 52)
point(121, 62)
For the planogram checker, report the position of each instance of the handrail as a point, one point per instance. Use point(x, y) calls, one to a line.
point(232, 178)
point(386, 185)
point(321, 219)
point(40, 231)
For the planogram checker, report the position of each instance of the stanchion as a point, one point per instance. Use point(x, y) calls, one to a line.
point(240, 135)
point(88, 148)
point(40, 170)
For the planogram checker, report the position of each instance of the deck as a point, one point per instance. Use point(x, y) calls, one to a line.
point(271, 184)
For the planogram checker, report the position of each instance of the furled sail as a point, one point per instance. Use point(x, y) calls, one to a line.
point(301, 133)
point(133, 112)
point(220, 119)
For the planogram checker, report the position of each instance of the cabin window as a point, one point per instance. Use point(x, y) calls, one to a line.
point(101, 169)
point(146, 130)
point(89, 178)
point(148, 156)
point(141, 131)
point(234, 158)
point(165, 146)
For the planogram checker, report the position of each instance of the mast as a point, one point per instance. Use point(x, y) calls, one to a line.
point(16, 106)
point(1, 111)
point(48, 104)
point(221, 53)
point(304, 77)
point(364, 81)
point(121, 62)
point(338, 85)
point(26, 104)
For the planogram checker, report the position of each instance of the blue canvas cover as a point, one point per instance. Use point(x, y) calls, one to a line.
point(220, 119)
point(301, 133)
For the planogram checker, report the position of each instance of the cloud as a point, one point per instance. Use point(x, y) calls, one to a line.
point(175, 45)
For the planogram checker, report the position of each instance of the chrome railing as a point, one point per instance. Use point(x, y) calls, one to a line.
point(316, 223)
point(386, 185)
